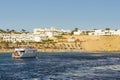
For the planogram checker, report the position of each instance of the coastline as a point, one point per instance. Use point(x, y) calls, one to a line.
point(6, 50)
point(60, 51)
point(83, 43)
point(74, 50)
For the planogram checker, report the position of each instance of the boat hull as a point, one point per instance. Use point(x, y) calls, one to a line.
point(25, 55)
point(24, 52)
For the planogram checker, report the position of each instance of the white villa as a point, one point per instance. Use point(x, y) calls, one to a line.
point(43, 34)
point(38, 38)
point(98, 32)
point(101, 32)
point(77, 32)
point(37, 35)
point(47, 32)
point(26, 37)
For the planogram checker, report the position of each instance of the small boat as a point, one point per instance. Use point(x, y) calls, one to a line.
point(24, 52)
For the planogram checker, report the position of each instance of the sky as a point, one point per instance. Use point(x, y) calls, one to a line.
point(61, 14)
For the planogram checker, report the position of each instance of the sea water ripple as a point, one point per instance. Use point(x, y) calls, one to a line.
point(61, 66)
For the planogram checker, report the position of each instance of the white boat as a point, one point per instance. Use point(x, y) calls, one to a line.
point(24, 52)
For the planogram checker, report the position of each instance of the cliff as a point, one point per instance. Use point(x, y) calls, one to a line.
point(81, 43)
point(102, 43)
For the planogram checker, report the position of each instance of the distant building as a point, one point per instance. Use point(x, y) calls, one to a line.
point(47, 32)
point(43, 34)
point(97, 32)
point(50, 32)
point(38, 38)
point(26, 37)
point(77, 32)
point(65, 31)
point(101, 32)
point(37, 35)
point(82, 32)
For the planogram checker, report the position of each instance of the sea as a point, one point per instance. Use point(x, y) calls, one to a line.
point(61, 66)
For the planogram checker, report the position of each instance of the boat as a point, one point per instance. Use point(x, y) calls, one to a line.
point(24, 52)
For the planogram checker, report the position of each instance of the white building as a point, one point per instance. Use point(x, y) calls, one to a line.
point(116, 32)
point(77, 32)
point(38, 35)
point(48, 32)
point(104, 32)
point(38, 38)
point(65, 31)
point(97, 32)
point(26, 37)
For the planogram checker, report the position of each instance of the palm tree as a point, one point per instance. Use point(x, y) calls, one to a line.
point(7, 30)
point(107, 29)
point(23, 31)
point(12, 31)
point(75, 30)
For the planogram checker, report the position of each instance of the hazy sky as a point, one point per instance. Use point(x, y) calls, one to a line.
point(66, 14)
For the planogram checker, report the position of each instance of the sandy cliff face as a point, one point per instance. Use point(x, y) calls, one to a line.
point(81, 43)
point(102, 43)
point(92, 43)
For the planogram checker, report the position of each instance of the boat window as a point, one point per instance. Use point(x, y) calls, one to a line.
point(22, 51)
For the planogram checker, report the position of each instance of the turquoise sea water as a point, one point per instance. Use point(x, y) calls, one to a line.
point(61, 66)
